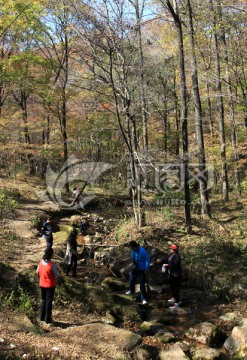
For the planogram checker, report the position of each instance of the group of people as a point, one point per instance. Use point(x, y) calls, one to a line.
point(48, 272)
point(171, 264)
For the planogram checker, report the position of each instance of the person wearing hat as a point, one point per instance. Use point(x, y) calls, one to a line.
point(48, 275)
point(173, 266)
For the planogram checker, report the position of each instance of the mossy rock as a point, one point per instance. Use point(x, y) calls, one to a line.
point(6, 274)
point(68, 289)
point(60, 237)
point(113, 284)
point(20, 323)
point(152, 327)
point(121, 306)
point(165, 337)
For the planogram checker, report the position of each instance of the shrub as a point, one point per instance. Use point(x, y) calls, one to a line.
point(7, 203)
point(19, 300)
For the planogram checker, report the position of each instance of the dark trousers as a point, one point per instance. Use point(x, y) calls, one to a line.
point(134, 275)
point(72, 265)
point(47, 295)
point(175, 287)
point(49, 241)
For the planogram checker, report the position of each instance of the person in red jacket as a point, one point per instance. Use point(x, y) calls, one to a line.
point(48, 274)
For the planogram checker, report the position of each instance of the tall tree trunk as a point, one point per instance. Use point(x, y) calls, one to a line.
point(23, 106)
point(220, 108)
point(144, 111)
point(198, 120)
point(184, 113)
point(64, 98)
point(177, 120)
point(165, 119)
point(131, 141)
point(211, 127)
point(231, 110)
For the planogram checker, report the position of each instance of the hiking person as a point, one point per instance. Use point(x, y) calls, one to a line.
point(77, 198)
point(119, 177)
point(141, 262)
point(83, 226)
point(173, 266)
point(71, 255)
point(47, 230)
point(48, 275)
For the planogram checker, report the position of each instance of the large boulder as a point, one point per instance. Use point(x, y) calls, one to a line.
point(119, 261)
point(122, 307)
point(205, 333)
point(105, 342)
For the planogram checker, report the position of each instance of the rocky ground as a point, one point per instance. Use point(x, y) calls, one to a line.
point(78, 333)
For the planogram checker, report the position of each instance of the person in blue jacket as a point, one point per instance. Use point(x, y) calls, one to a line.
point(141, 262)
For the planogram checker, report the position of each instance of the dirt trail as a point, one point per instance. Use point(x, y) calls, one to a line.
point(27, 253)
point(32, 247)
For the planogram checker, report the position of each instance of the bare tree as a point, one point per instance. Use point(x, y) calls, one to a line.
point(230, 102)
point(220, 103)
point(58, 49)
point(109, 53)
point(184, 108)
point(139, 13)
point(198, 119)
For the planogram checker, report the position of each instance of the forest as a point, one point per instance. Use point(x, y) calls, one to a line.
point(157, 90)
point(142, 105)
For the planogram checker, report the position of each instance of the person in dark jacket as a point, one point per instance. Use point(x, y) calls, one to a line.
point(48, 275)
point(173, 267)
point(47, 230)
point(83, 226)
point(71, 253)
point(141, 262)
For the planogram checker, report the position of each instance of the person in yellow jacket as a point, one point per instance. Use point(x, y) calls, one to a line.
point(48, 275)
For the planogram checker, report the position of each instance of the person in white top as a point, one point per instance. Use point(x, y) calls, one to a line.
point(77, 198)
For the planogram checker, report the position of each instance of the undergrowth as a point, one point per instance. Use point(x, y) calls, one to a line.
point(8, 202)
point(19, 300)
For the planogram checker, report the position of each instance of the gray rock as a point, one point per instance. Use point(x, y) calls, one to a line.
point(242, 286)
point(179, 311)
point(152, 327)
point(165, 336)
point(113, 284)
point(174, 352)
point(141, 354)
point(243, 323)
point(230, 317)
point(205, 333)
point(21, 323)
point(120, 263)
point(121, 306)
point(159, 315)
point(184, 345)
point(110, 319)
point(236, 343)
point(106, 338)
point(156, 289)
point(212, 297)
point(206, 354)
